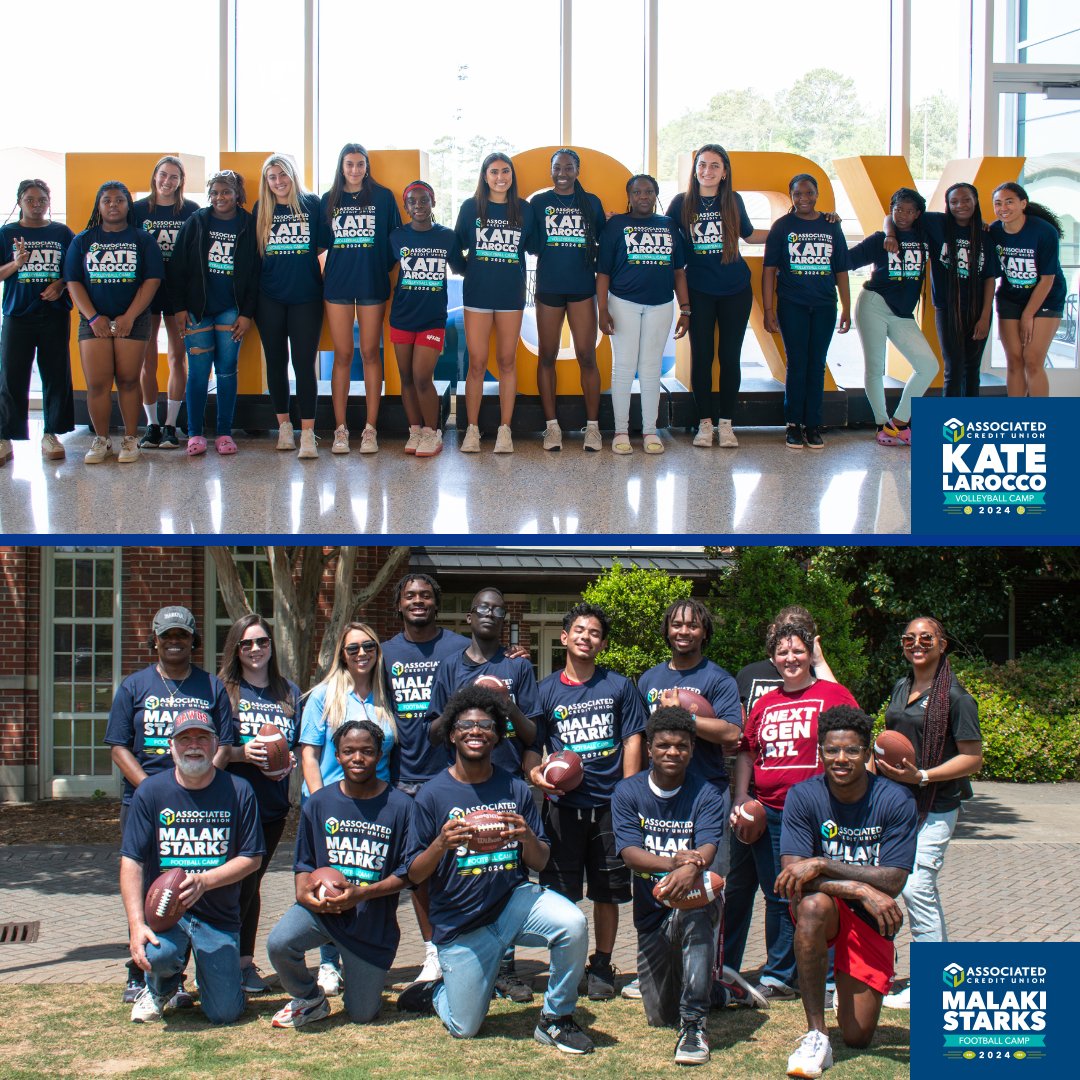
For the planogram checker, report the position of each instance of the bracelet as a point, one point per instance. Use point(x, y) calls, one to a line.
point(684, 311)
point(90, 322)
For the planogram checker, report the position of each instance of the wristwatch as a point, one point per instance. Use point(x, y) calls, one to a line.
point(924, 778)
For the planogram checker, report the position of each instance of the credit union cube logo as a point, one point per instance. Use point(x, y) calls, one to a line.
point(166, 817)
point(653, 696)
point(397, 668)
point(829, 829)
point(952, 430)
point(953, 975)
point(332, 825)
point(560, 712)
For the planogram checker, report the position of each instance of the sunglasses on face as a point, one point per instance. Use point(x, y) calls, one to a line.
point(488, 609)
point(355, 647)
point(908, 641)
point(485, 724)
point(254, 643)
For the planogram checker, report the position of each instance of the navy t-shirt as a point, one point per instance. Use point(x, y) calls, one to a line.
point(689, 819)
point(220, 295)
point(592, 719)
point(112, 265)
point(565, 263)
point(420, 291)
point(357, 241)
point(47, 247)
point(640, 256)
point(290, 266)
point(897, 277)
point(1026, 256)
point(516, 675)
point(495, 260)
point(163, 222)
point(706, 270)
point(808, 255)
point(145, 709)
point(935, 225)
point(470, 889)
point(171, 826)
point(366, 839)
point(712, 682)
point(255, 710)
point(412, 666)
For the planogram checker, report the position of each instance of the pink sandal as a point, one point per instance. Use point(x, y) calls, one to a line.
point(224, 444)
point(196, 445)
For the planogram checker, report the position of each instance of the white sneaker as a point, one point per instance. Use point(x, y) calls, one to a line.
point(413, 441)
point(341, 440)
point(308, 448)
point(301, 1011)
point(329, 979)
point(812, 1056)
point(369, 440)
point(471, 443)
point(632, 990)
point(51, 448)
point(901, 1000)
point(552, 436)
point(704, 436)
point(129, 449)
point(726, 435)
point(593, 441)
point(147, 1008)
point(99, 450)
point(430, 443)
point(6, 451)
point(286, 436)
point(504, 444)
point(432, 969)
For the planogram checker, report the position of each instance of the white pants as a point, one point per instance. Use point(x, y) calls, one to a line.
point(637, 347)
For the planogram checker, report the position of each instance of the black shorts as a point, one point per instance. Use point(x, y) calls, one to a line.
point(161, 304)
point(583, 848)
point(1009, 310)
point(554, 299)
point(140, 328)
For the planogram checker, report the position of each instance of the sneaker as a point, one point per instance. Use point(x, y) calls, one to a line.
point(131, 992)
point(793, 439)
point(601, 980)
point(830, 1000)
point(146, 1008)
point(902, 1000)
point(307, 444)
point(725, 436)
point(504, 444)
point(593, 441)
point(183, 998)
point(419, 998)
point(553, 436)
point(301, 1011)
point(430, 443)
point(512, 986)
point(704, 436)
point(52, 449)
point(151, 439)
point(369, 440)
point(562, 1033)
point(812, 438)
point(775, 993)
point(901, 435)
point(99, 450)
point(692, 1048)
point(740, 992)
point(471, 443)
point(812, 1056)
point(286, 436)
point(6, 451)
point(413, 441)
point(632, 990)
point(251, 980)
point(341, 440)
point(329, 979)
point(432, 969)
point(169, 439)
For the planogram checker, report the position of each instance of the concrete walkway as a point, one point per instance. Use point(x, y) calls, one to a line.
point(1012, 873)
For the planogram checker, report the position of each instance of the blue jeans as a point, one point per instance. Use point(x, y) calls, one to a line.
point(675, 966)
point(807, 332)
point(209, 343)
point(926, 917)
point(300, 930)
point(533, 917)
point(217, 965)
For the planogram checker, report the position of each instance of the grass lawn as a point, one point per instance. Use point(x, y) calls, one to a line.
point(84, 1031)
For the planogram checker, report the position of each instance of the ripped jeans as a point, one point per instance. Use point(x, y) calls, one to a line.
point(209, 343)
point(926, 917)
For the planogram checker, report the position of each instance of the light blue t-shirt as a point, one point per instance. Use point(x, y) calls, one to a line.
point(313, 732)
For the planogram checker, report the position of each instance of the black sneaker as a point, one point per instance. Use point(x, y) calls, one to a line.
point(152, 439)
point(169, 441)
point(692, 1048)
point(512, 986)
point(182, 999)
point(133, 989)
point(776, 993)
point(813, 439)
point(793, 440)
point(737, 991)
point(419, 998)
point(601, 980)
point(562, 1033)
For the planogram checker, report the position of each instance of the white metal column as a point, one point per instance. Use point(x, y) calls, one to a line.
point(899, 118)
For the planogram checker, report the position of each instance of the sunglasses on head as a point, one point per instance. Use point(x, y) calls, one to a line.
point(484, 724)
point(489, 609)
point(925, 640)
point(355, 647)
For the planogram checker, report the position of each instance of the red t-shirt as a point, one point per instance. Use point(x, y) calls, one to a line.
point(783, 737)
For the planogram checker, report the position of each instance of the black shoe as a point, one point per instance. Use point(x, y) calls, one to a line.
point(692, 1048)
point(601, 980)
point(510, 985)
point(152, 439)
point(169, 441)
point(776, 993)
point(812, 438)
point(133, 989)
point(562, 1033)
point(182, 999)
point(419, 998)
point(793, 441)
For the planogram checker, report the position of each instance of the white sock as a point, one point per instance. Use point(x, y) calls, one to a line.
point(172, 412)
point(592, 423)
point(151, 412)
point(551, 423)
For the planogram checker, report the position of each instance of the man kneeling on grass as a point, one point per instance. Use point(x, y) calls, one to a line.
point(358, 826)
point(483, 902)
point(667, 828)
point(846, 848)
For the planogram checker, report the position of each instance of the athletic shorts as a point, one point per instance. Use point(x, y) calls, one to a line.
point(554, 299)
point(494, 310)
point(161, 304)
point(429, 339)
point(860, 951)
point(583, 848)
point(140, 328)
point(355, 302)
point(1008, 310)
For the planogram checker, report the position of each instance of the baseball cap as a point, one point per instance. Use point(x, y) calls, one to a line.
point(174, 617)
point(193, 720)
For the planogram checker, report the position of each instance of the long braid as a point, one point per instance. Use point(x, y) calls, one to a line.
point(936, 724)
point(964, 297)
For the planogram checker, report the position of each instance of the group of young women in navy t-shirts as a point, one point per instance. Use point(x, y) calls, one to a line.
point(295, 259)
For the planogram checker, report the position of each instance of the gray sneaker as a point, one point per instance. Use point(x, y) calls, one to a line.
point(553, 436)
point(504, 443)
point(632, 990)
point(286, 436)
point(593, 441)
point(251, 980)
point(471, 443)
point(692, 1048)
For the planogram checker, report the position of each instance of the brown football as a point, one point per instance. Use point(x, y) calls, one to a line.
point(328, 883)
point(162, 908)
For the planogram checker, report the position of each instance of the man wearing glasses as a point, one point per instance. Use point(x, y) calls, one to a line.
point(483, 901)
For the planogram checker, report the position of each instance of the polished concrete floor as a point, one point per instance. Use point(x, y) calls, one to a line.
point(853, 486)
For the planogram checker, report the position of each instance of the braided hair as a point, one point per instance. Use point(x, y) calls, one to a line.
point(580, 204)
point(936, 724)
point(633, 180)
point(110, 185)
point(798, 178)
point(906, 194)
point(24, 187)
point(965, 298)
